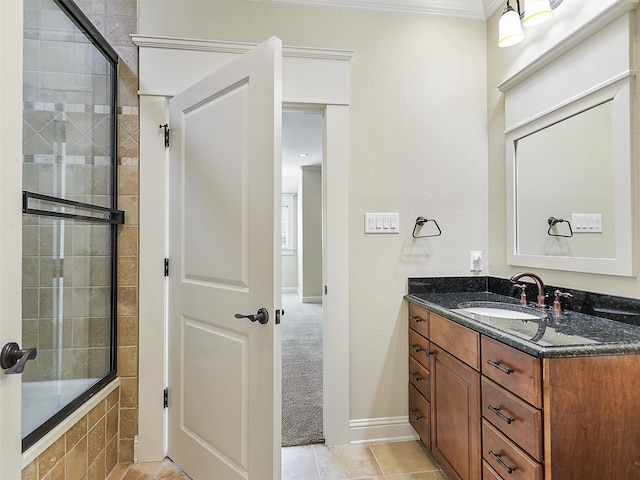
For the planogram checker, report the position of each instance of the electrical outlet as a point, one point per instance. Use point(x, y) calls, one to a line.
point(475, 260)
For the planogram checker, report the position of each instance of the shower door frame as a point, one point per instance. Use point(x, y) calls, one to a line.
point(115, 217)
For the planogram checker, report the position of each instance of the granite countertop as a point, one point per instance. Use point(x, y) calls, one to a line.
point(569, 334)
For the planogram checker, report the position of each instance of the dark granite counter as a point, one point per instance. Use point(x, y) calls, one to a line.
point(609, 328)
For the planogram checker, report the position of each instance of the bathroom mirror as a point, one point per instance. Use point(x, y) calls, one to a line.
point(574, 163)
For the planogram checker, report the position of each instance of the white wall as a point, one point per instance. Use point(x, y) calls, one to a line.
point(418, 146)
point(502, 64)
point(290, 259)
point(310, 234)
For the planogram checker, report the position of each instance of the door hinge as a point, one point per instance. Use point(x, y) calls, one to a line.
point(166, 397)
point(166, 134)
point(166, 267)
point(325, 289)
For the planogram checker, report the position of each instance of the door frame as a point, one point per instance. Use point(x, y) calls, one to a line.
point(312, 77)
point(11, 15)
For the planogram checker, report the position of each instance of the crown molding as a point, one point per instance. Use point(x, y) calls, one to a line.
point(451, 8)
point(176, 43)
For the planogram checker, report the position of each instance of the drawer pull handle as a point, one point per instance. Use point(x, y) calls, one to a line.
point(415, 376)
point(497, 411)
point(415, 348)
point(508, 371)
point(417, 319)
point(496, 457)
point(416, 413)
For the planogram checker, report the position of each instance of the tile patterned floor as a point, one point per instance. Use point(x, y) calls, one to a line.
point(375, 461)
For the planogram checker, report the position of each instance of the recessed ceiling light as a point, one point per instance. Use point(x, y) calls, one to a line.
point(302, 155)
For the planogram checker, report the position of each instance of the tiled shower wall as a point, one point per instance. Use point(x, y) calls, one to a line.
point(116, 20)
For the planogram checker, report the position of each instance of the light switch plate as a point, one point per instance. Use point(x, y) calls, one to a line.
point(381, 223)
point(586, 222)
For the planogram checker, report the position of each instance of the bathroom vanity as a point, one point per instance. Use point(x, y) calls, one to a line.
point(527, 394)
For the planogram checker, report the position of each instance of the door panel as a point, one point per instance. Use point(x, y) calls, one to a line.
point(215, 255)
point(224, 207)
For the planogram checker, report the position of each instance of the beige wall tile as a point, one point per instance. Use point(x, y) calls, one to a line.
point(129, 392)
point(75, 433)
point(128, 361)
point(58, 473)
point(127, 271)
point(111, 455)
point(125, 450)
point(96, 414)
point(127, 241)
point(127, 301)
point(76, 461)
point(131, 206)
point(127, 178)
point(127, 331)
point(97, 468)
point(113, 398)
point(128, 422)
point(30, 472)
point(51, 456)
point(113, 421)
point(97, 441)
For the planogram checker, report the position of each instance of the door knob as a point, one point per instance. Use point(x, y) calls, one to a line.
point(13, 360)
point(261, 317)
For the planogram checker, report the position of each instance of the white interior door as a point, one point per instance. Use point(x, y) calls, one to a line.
point(10, 229)
point(224, 218)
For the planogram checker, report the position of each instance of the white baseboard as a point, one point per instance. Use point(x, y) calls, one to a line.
point(311, 299)
point(385, 429)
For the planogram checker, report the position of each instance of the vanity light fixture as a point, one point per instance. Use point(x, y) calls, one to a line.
point(532, 13)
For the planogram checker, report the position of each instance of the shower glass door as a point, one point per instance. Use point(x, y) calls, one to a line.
point(69, 220)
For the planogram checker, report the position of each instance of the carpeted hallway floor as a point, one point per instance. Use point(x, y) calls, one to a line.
point(301, 372)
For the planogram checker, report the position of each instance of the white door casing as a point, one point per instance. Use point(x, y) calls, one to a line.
point(11, 15)
point(224, 193)
point(315, 77)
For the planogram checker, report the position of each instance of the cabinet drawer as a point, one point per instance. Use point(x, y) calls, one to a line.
point(420, 377)
point(506, 458)
point(489, 473)
point(419, 348)
point(420, 415)
point(518, 420)
point(514, 370)
point(419, 319)
point(459, 341)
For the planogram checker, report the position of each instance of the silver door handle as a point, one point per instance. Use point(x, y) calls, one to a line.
point(13, 360)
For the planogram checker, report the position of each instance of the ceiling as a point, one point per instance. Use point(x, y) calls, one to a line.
point(455, 8)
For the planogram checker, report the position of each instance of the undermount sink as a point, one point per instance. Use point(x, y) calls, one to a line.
point(502, 310)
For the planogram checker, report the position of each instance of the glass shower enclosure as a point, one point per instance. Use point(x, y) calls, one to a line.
point(69, 213)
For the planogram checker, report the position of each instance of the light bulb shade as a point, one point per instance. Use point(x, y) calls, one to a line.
point(536, 12)
point(509, 28)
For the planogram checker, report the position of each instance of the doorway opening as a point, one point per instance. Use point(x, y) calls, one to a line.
point(302, 277)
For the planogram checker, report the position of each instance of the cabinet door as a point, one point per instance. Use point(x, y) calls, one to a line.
point(455, 421)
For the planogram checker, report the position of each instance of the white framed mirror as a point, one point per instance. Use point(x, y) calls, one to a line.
point(574, 163)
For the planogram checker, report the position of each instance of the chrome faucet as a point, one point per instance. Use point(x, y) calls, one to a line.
point(541, 296)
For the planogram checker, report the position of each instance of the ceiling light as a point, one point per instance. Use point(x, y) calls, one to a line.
point(509, 28)
point(302, 155)
point(536, 12)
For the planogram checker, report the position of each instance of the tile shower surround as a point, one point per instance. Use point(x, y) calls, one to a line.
point(621, 309)
point(116, 21)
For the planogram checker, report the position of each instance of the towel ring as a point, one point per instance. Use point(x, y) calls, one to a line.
point(553, 221)
point(420, 221)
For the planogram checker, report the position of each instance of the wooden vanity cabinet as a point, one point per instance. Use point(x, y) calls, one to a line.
point(497, 413)
point(445, 356)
